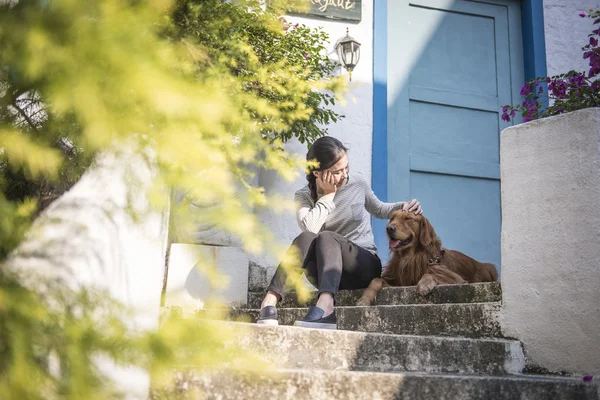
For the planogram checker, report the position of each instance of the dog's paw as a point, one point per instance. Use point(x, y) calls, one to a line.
point(363, 301)
point(424, 288)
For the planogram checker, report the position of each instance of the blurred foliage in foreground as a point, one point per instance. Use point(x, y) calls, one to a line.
point(213, 88)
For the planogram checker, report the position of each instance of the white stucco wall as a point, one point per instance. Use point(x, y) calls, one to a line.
point(566, 33)
point(355, 130)
point(551, 240)
point(188, 285)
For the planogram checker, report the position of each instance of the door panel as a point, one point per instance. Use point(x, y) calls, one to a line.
point(459, 56)
point(467, 216)
point(453, 132)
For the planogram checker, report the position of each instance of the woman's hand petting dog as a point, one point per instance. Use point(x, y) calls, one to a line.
point(413, 206)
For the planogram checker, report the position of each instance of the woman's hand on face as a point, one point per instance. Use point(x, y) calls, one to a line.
point(413, 206)
point(327, 182)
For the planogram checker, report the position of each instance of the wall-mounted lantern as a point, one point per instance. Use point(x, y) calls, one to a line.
point(348, 51)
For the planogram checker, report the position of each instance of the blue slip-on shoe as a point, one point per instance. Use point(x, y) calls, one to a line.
point(268, 316)
point(314, 319)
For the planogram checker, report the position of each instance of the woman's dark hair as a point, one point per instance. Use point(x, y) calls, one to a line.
point(327, 151)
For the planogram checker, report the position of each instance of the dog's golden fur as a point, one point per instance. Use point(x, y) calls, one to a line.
point(419, 259)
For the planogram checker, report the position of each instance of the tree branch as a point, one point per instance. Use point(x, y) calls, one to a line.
point(24, 115)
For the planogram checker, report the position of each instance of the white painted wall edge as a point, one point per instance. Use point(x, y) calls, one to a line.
point(87, 239)
point(551, 240)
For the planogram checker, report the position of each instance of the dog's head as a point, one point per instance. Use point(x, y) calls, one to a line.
point(407, 230)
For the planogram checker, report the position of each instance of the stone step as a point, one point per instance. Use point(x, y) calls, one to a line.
point(469, 293)
point(293, 347)
point(475, 320)
point(316, 385)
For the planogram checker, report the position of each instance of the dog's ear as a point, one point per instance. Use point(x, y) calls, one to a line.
point(426, 234)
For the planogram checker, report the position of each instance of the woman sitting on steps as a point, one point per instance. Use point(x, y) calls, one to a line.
point(336, 244)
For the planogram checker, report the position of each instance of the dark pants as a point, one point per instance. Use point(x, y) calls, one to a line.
point(331, 262)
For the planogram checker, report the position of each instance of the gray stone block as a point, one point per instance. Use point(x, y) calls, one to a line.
point(464, 320)
point(471, 293)
point(316, 385)
point(293, 347)
point(257, 280)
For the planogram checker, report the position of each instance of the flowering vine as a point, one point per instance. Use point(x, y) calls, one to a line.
point(567, 92)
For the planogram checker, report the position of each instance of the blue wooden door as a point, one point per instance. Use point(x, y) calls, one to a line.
point(451, 65)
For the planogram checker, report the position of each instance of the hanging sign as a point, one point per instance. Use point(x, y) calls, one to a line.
point(343, 10)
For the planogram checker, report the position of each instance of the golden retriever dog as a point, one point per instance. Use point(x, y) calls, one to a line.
point(419, 259)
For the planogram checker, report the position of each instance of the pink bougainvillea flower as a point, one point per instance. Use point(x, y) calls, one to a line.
point(526, 89)
point(582, 15)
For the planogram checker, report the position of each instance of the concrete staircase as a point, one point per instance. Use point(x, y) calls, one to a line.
point(444, 346)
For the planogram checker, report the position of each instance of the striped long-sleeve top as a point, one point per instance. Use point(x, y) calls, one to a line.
point(347, 214)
